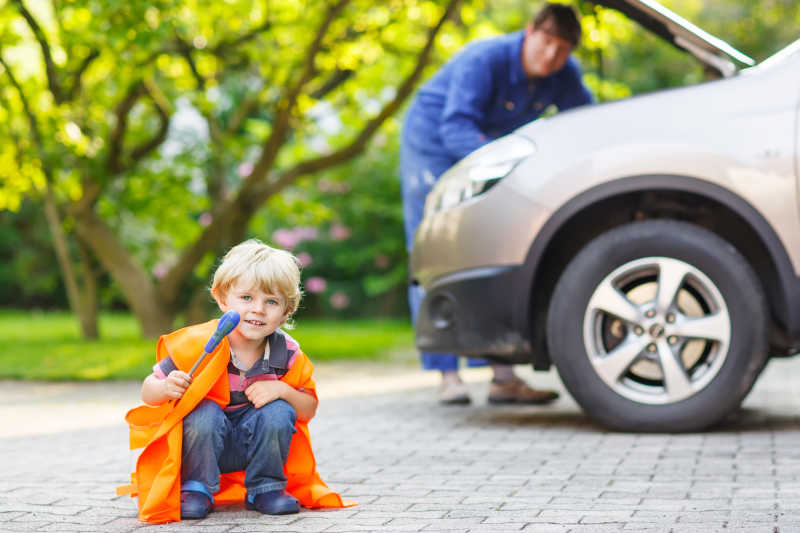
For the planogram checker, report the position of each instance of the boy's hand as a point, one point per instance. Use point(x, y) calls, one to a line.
point(261, 393)
point(176, 383)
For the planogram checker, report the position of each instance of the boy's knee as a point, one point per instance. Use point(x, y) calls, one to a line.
point(278, 415)
point(204, 419)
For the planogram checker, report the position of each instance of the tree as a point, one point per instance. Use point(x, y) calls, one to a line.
point(150, 134)
point(97, 103)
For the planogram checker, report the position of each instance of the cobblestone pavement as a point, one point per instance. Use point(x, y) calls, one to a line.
point(416, 466)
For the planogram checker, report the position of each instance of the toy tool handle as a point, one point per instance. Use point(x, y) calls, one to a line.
point(226, 324)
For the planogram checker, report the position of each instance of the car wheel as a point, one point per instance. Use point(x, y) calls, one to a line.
point(658, 325)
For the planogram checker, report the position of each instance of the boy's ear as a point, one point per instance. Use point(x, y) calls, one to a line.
point(220, 299)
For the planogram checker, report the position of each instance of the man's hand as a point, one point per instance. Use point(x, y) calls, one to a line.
point(261, 393)
point(176, 383)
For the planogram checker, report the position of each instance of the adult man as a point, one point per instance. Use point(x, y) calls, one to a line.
point(486, 91)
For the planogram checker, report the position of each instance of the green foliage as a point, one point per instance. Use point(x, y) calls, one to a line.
point(158, 112)
point(346, 227)
point(47, 345)
point(28, 277)
point(216, 74)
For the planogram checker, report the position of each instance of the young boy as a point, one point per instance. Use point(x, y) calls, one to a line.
point(248, 419)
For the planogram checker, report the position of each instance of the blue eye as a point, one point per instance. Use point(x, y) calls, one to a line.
point(246, 297)
point(273, 302)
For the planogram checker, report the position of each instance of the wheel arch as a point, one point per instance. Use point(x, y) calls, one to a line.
point(658, 196)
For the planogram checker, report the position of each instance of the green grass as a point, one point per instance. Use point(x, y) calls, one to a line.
point(48, 346)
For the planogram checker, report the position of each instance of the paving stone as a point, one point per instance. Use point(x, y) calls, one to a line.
point(102, 528)
point(417, 466)
point(496, 528)
point(564, 516)
point(658, 504)
point(23, 526)
point(704, 517)
point(604, 517)
point(546, 528)
point(649, 527)
point(11, 506)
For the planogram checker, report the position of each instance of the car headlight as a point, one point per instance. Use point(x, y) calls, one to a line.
point(478, 172)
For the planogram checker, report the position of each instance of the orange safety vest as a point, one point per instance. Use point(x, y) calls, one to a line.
point(158, 431)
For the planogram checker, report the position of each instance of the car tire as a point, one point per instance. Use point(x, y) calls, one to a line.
point(658, 325)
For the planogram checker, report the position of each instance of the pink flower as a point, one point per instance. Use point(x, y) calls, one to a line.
point(335, 187)
point(285, 238)
point(315, 284)
point(339, 300)
point(382, 261)
point(304, 258)
point(342, 188)
point(290, 238)
point(160, 270)
point(339, 232)
point(245, 169)
point(305, 233)
point(205, 219)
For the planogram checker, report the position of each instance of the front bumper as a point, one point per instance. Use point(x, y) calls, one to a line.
point(470, 313)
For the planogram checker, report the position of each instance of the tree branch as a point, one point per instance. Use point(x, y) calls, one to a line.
point(34, 125)
point(280, 126)
point(50, 66)
point(223, 47)
point(235, 213)
point(357, 145)
point(245, 110)
point(186, 52)
point(121, 111)
point(336, 79)
point(170, 285)
point(117, 163)
point(77, 82)
point(141, 151)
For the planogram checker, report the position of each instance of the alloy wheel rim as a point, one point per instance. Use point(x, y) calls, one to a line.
point(657, 330)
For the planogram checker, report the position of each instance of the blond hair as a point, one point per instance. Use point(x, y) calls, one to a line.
point(272, 270)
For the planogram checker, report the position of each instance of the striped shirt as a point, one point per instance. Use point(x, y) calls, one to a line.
point(282, 353)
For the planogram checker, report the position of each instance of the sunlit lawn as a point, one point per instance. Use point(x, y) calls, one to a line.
point(47, 345)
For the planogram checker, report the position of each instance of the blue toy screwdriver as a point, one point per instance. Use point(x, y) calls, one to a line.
point(226, 324)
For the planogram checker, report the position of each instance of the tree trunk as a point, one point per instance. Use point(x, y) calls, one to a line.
point(89, 308)
point(84, 306)
point(154, 315)
point(200, 308)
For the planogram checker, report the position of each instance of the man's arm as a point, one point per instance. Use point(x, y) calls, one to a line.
point(468, 97)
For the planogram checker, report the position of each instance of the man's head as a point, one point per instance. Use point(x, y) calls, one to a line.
point(549, 39)
point(253, 264)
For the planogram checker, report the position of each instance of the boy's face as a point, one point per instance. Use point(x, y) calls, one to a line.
point(260, 313)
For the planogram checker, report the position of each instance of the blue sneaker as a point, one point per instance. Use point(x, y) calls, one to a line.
point(194, 505)
point(274, 502)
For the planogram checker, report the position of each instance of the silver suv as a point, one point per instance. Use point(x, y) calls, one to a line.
point(649, 248)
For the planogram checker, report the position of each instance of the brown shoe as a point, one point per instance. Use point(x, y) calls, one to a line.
point(517, 391)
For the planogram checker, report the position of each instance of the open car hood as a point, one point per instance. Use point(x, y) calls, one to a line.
point(709, 50)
